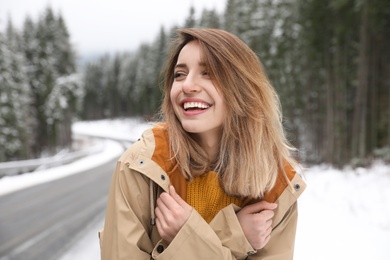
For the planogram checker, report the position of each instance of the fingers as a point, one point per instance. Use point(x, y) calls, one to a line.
point(262, 222)
point(166, 209)
point(259, 206)
point(160, 220)
point(173, 204)
point(165, 202)
point(171, 200)
point(163, 227)
point(261, 235)
point(164, 217)
point(266, 215)
point(176, 196)
point(256, 222)
point(266, 240)
point(171, 212)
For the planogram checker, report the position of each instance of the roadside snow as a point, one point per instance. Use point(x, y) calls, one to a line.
point(345, 214)
point(87, 247)
point(110, 150)
point(127, 128)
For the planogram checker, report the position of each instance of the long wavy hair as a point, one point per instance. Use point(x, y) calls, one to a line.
point(253, 146)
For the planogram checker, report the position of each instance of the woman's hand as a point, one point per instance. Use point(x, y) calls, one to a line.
point(172, 212)
point(255, 221)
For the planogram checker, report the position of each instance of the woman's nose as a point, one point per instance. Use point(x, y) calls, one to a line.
point(190, 84)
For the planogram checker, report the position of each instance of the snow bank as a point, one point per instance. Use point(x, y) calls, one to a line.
point(110, 151)
point(345, 214)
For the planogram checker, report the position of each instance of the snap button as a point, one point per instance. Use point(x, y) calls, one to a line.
point(162, 177)
point(141, 162)
point(251, 253)
point(297, 187)
point(160, 249)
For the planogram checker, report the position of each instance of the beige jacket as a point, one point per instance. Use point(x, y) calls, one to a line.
point(143, 172)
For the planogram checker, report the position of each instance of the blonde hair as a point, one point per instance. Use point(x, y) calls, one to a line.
point(253, 146)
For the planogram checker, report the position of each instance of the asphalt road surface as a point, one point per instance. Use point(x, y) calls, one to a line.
point(42, 222)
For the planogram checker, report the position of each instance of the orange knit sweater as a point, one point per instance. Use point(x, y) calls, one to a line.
point(205, 194)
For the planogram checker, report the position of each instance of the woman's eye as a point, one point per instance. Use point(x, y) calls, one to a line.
point(205, 73)
point(178, 75)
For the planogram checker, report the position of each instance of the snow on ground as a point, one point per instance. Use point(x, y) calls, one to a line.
point(87, 247)
point(343, 214)
point(126, 128)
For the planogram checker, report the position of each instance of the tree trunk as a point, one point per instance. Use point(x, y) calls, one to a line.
point(372, 141)
point(360, 107)
point(328, 141)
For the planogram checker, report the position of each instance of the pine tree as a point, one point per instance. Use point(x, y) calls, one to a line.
point(191, 20)
point(65, 56)
point(14, 100)
point(94, 85)
point(210, 19)
point(231, 16)
point(127, 79)
point(49, 56)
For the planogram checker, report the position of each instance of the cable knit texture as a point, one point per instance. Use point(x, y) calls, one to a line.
point(205, 194)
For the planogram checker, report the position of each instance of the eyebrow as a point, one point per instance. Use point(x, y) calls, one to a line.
point(180, 65)
point(183, 65)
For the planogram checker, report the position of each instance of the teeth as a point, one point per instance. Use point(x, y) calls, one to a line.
point(195, 105)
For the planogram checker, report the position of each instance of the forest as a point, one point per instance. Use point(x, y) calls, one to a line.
point(328, 61)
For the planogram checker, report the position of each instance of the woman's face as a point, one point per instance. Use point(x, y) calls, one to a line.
point(196, 101)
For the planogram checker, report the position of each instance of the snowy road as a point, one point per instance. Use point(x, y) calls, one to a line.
point(42, 221)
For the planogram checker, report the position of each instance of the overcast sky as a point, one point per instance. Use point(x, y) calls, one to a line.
point(98, 26)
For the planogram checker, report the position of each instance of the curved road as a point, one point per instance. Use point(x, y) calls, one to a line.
point(43, 221)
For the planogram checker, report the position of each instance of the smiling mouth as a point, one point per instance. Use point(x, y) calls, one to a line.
point(191, 106)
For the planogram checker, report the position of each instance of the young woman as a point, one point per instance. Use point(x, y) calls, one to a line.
point(215, 180)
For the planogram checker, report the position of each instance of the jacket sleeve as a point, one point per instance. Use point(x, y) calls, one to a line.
point(281, 244)
point(284, 225)
point(126, 229)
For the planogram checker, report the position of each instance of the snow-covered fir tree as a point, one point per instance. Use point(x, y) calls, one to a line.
point(14, 100)
point(39, 91)
point(49, 56)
